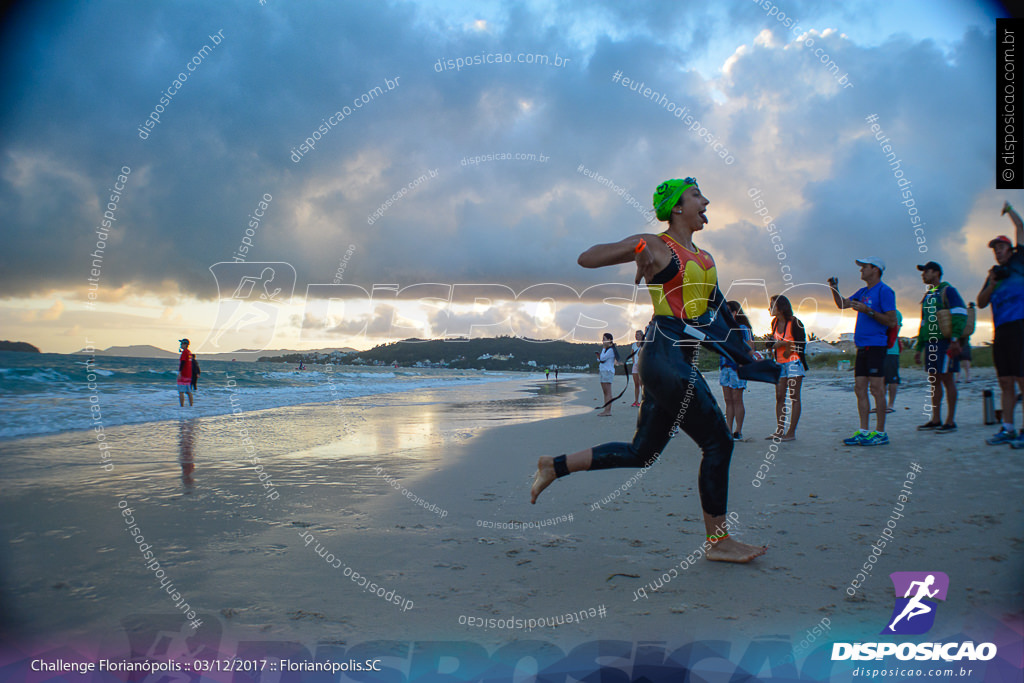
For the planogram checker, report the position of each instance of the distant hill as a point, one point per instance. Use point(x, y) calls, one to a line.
point(514, 352)
point(147, 351)
point(24, 347)
point(255, 355)
point(144, 351)
point(505, 353)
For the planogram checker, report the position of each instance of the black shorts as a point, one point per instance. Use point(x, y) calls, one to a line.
point(891, 368)
point(965, 352)
point(1008, 349)
point(870, 361)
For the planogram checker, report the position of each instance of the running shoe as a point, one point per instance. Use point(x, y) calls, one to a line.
point(876, 439)
point(928, 426)
point(858, 439)
point(1018, 442)
point(1004, 435)
point(946, 429)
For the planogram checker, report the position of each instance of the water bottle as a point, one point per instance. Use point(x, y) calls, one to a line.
point(989, 403)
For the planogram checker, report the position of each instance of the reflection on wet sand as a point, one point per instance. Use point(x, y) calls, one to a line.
point(186, 457)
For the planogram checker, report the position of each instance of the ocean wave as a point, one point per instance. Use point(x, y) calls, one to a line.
point(38, 401)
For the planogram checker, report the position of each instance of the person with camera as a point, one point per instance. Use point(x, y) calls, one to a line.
point(1004, 289)
point(875, 304)
point(941, 307)
point(607, 358)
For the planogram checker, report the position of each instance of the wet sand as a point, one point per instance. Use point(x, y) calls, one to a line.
point(368, 488)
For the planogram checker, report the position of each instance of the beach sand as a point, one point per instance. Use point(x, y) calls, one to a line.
point(243, 564)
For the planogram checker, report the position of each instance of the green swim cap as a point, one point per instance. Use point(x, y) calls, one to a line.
point(668, 193)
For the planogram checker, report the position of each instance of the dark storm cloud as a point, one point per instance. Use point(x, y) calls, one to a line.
point(83, 81)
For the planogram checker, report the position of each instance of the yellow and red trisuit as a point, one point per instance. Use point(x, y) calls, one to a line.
point(683, 288)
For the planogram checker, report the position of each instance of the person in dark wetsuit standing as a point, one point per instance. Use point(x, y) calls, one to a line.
point(683, 283)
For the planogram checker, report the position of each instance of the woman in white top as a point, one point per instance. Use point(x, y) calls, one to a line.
point(606, 370)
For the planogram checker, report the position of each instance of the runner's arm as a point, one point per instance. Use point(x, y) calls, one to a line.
point(601, 255)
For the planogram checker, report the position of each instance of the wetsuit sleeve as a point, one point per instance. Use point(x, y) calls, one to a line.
point(716, 302)
point(958, 311)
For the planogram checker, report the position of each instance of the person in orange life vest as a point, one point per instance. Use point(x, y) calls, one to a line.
point(683, 283)
point(789, 337)
point(184, 373)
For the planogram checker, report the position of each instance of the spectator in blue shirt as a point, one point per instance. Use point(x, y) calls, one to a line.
point(875, 304)
point(1004, 289)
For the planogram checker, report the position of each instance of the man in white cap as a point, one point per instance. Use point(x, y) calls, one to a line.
point(875, 304)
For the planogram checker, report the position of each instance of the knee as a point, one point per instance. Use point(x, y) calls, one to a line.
point(720, 449)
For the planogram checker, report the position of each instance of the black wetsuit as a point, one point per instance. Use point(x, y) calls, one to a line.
point(676, 394)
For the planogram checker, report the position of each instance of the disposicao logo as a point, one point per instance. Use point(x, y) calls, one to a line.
point(916, 594)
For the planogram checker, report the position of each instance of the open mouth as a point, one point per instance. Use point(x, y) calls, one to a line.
point(703, 216)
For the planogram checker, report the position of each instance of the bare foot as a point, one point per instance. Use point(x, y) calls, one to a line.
point(776, 435)
point(604, 414)
point(731, 550)
point(545, 475)
point(788, 437)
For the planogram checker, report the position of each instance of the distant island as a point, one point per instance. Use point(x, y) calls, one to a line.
point(491, 353)
point(23, 347)
point(143, 351)
point(149, 351)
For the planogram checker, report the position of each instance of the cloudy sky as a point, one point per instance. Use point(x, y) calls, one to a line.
point(744, 95)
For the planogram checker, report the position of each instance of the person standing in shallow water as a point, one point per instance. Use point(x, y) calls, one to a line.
point(184, 373)
point(683, 283)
